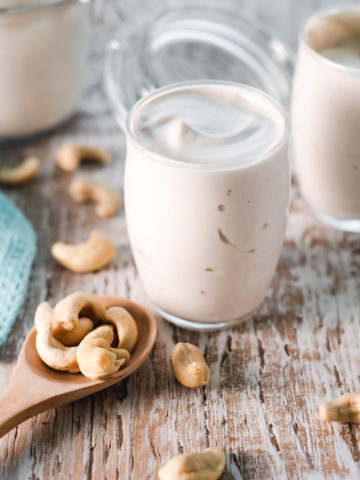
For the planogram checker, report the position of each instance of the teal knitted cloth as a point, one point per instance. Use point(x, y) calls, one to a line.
point(17, 252)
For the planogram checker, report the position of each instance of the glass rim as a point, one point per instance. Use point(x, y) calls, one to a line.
point(282, 139)
point(38, 4)
point(323, 13)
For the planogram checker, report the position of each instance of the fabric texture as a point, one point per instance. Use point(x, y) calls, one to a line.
point(17, 252)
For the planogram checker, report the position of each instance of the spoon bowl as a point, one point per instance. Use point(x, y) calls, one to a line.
point(34, 387)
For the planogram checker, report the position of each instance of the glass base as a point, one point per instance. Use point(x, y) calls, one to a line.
point(341, 224)
point(201, 326)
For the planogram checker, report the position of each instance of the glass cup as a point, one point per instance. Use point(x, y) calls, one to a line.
point(326, 117)
point(206, 238)
point(43, 51)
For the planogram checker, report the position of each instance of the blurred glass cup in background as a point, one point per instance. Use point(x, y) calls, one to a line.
point(326, 116)
point(43, 52)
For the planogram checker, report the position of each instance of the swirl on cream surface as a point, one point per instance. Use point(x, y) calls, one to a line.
point(217, 124)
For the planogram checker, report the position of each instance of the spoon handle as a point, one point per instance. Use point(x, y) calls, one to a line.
point(25, 396)
point(15, 408)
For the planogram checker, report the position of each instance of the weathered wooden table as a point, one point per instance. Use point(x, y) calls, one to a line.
point(268, 376)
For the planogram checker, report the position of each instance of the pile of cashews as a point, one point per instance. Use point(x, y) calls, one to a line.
point(97, 250)
point(77, 335)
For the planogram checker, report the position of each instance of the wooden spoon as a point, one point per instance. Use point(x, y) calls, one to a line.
point(34, 387)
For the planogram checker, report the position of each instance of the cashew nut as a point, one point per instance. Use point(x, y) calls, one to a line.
point(73, 337)
point(207, 465)
point(70, 308)
point(69, 156)
point(22, 173)
point(189, 366)
point(107, 200)
point(95, 356)
point(51, 351)
point(344, 409)
point(126, 327)
point(85, 257)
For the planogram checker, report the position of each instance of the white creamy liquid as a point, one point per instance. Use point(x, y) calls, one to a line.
point(206, 193)
point(347, 52)
point(208, 126)
point(326, 117)
point(42, 60)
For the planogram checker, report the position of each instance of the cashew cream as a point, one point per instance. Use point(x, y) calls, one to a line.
point(206, 194)
point(42, 57)
point(215, 126)
point(326, 118)
point(347, 52)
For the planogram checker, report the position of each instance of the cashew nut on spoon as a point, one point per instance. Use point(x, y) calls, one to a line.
point(126, 328)
point(51, 351)
point(68, 310)
point(344, 409)
point(95, 356)
point(69, 156)
point(107, 200)
point(85, 257)
point(22, 173)
point(207, 465)
point(72, 337)
point(189, 365)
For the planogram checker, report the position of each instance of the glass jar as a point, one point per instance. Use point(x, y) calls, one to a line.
point(326, 117)
point(206, 211)
point(43, 50)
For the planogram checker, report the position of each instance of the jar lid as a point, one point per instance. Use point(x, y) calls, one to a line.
point(193, 43)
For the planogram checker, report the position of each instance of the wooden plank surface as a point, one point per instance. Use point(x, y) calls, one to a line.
point(268, 376)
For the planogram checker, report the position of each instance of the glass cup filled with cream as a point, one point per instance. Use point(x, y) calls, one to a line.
point(43, 53)
point(326, 116)
point(206, 197)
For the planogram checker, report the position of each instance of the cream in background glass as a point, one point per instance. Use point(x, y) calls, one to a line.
point(326, 116)
point(206, 196)
point(42, 56)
